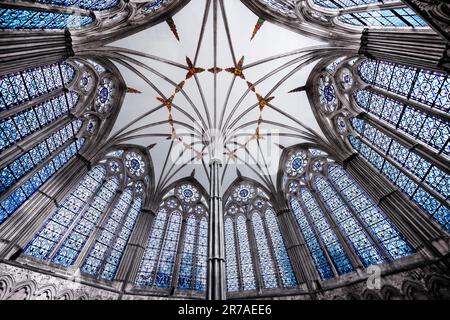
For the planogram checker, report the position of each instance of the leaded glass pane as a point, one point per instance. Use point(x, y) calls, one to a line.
point(54, 229)
point(169, 252)
point(85, 225)
point(148, 264)
point(281, 255)
point(230, 250)
point(202, 251)
point(33, 19)
point(247, 273)
point(187, 257)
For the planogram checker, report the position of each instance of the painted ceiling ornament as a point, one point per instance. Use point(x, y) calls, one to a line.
point(237, 71)
point(167, 102)
point(105, 92)
point(215, 70)
point(263, 101)
point(173, 27)
point(192, 69)
point(243, 193)
point(188, 193)
point(133, 90)
point(258, 26)
point(296, 164)
point(134, 163)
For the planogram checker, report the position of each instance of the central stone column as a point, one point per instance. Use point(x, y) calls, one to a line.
point(216, 240)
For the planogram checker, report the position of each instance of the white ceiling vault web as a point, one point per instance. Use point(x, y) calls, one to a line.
point(204, 107)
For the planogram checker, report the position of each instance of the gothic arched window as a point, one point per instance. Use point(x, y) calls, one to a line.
point(43, 125)
point(396, 117)
point(180, 226)
point(253, 242)
point(322, 195)
point(110, 196)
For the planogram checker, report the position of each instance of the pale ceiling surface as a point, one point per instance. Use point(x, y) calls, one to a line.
point(270, 40)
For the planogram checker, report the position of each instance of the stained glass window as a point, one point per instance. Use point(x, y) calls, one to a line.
point(339, 4)
point(148, 264)
point(105, 255)
point(54, 229)
point(185, 275)
point(397, 170)
point(85, 225)
point(34, 19)
point(152, 6)
point(400, 17)
point(265, 258)
point(430, 129)
point(17, 88)
point(83, 4)
point(372, 217)
point(317, 253)
point(409, 161)
point(281, 255)
point(43, 150)
point(29, 186)
point(202, 251)
point(230, 250)
point(247, 275)
point(430, 88)
point(168, 252)
point(327, 234)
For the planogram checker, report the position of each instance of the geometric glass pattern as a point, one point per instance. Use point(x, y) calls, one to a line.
point(83, 4)
point(29, 186)
point(326, 233)
point(33, 19)
point(19, 87)
point(247, 273)
point(265, 259)
point(429, 88)
point(202, 252)
point(371, 216)
point(108, 237)
point(397, 170)
point(84, 226)
point(281, 255)
point(185, 274)
point(429, 129)
point(163, 277)
point(315, 249)
point(350, 227)
point(17, 127)
point(400, 17)
point(230, 250)
point(59, 222)
point(339, 4)
point(150, 259)
point(420, 170)
point(28, 161)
